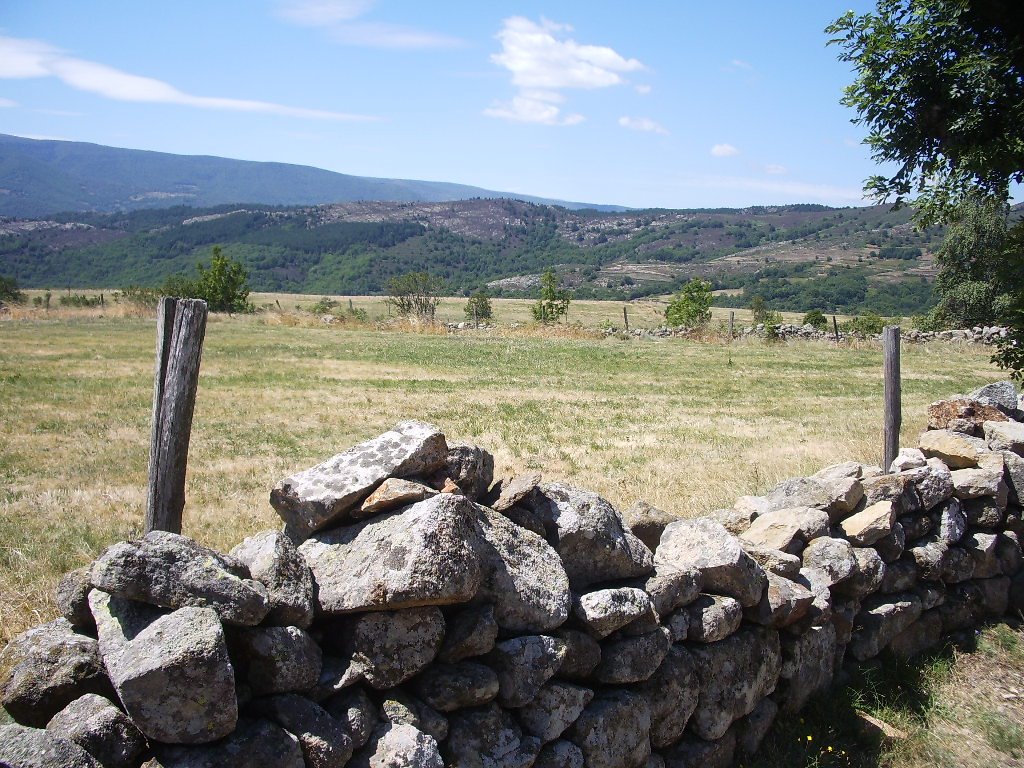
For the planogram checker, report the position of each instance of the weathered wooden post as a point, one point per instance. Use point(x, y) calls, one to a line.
point(732, 321)
point(835, 328)
point(625, 319)
point(180, 328)
point(891, 371)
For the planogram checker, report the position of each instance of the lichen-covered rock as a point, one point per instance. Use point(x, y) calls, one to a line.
point(275, 659)
point(891, 547)
point(590, 536)
point(671, 694)
point(981, 547)
point(171, 670)
point(647, 522)
point(22, 747)
point(1014, 476)
point(808, 666)
point(1005, 436)
point(898, 489)
point(949, 522)
point(398, 745)
point(881, 618)
point(787, 529)
point(669, 587)
point(984, 512)
point(523, 665)
point(713, 618)
point(447, 687)
point(401, 708)
point(933, 483)
point(783, 603)
point(273, 560)
point(389, 648)
point(516, 491)
point(1009, 553)
point(606, 610)
point(900, 576)
point(422, 555)
point(101, 729)
point(690, 752)
point(174, 571)
point(962, 414)
point(754, 727)
point(632, 659)
point(255, 743)
point(322, 739)
point(468, 466)
point(47, 667)
point(774, 561)
point(554, 709)
point(560, 754)
point(867, 575)
point(799, 492)
point(908, 458)
point(470, 632)
point(1000, 394)
point(356, 713)
point(323, 495)
point(833, 557)
point(521, 576)
point(870, 524)
point(614, 731)
point(735, 674)
point(706, 546)
point(488, 737)
point(72, 598)
point(582, 654)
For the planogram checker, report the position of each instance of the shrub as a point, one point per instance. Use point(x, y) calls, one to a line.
point(817, 319)
point(553, 301)
point(691, 307)
point(478, 307)
point(224, 285)
point(9, 292)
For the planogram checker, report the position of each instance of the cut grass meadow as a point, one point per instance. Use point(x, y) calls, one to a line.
point(684, 425)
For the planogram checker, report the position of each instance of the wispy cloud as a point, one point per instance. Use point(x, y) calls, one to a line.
point(340, 20)
point(643, 89)
point(543, 62)
point(774, 169)
point(5, 103)
point(740, 64)
point(26, 59)
point(643, 124)
point(724, 150)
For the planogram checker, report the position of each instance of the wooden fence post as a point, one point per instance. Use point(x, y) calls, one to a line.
point(180, 328)
point(625, 319)
point(835, 328)
point(893, 416)
point(732, 320)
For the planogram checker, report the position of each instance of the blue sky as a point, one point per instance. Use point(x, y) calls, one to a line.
point(680, 104)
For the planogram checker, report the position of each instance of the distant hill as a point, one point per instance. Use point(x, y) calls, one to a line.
point(798, 257)
point(40, 178)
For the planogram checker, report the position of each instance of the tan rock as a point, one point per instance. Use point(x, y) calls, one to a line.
point(787, 529)
point(962, 415)
point(391, 494)
point(871, 524)
point(956, 450)
point(977, 482)
point(1005, 436)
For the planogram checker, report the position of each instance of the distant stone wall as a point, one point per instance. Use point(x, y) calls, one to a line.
point(414, 613)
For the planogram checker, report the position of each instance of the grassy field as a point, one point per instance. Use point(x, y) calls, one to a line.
point(687, 426)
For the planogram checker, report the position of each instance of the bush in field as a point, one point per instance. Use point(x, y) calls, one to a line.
point(9, 292)
point(224, 285)
point(553, 301)
point(691, 307)
point(416, 293)
point(868, 324)
point(816, 318)
point(478, 307)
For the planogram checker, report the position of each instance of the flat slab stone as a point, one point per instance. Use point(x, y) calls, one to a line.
point(787, 529)
point(171, 671)
point(1005, 436)
point(957, 451)
point(174, 571)
point(976, 482)
point(422, 555)
point(869, 525)
point(324, 495)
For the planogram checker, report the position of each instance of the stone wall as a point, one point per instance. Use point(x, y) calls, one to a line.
point(414, 613)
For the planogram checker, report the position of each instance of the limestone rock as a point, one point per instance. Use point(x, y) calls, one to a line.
point(783, 603)
point(72, 598)
point(521, 575)
point(488, 737)
point(555, 708)
point(391, 494)
point(275, 659)
point(523, 665)
point(882, 618)
point(322, 739)
point(871, 524)
point(388, 648)
point(22, 747)
point(787, 529)
point(976, 482)
point(47, 667)
point(397, 745)
point(1005, 436)
point(774, 560)
point(171, 671)
point(957, 451)
point(469, 632)
point(647, 522)
point(898, 489)
point(735, 674)
point(713, 618)
point(833, 557)
point(614, 731)
point(606, 610)
point(422, 555)
point(447, 687)
point(706, 546)
point(671, 695)
point(591, 538)
point(582, 654)
point(173, 571)
point(908, 458)
point(101, 729)
point(632, 659)
point(356, 713)
point(470, 467)
point(273, 560)
point(323, 495)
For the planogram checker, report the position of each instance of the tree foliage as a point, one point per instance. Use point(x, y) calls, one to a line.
point(554, 300)
point(478, 307)
point(691, 307)
point(415, 294)
point(9, 290)
point(224, 285)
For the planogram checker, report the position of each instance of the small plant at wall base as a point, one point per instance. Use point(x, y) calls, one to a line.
point(691, 307)
point(553, 302)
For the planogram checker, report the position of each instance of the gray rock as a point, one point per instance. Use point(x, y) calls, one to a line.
point(817, 583)
point(1009, 553)
point(391, 494)
point(995, 595)
point(72, 598)
point(751, 507)
point(398, 745)
point(101, 729)
point(22, 747)
point(808, 666)
point(833, 557)
point(783, 603)
point(690, 752)
point(950, 521)
point(1001, 394)
point(755, 726)
point(254, 744)
point(322, 739)
point(488, 737)
point(929, 554)
point(389, 648)
point(614, 731)
point(704, 545)
point(275, 659)
point(424, 555)
point(736, 521)
point(647, 522)
point(678, 625)
point(671, 694)
point(632, 659)
point(735, 674)
point(956, 451)
point(1005, 436)
point(171, 671)
point(799, 492)
point(323, 495)
point(713, 618)
point(898, 489)
point(402, 709)
point(336, 674)
point(526, 518)
point(273, 560)
point(844, 614)
point(982, 549)
point(983, 513)
point(469, 467)
point(882, 617)
point(957, 566)
point(470, 632)
point(173, 571)
point(606, 610)
point(560, 754)
point(47, 667)
point(522, 576)
point(447, 687)
point(787, 529)
point(977, 481)
point(523, 665)
point(900, 576)
point(867, 575)
point(590, 536)
point(356, 713)
point(555, 708)
point(907, 458)
point(933, 482)
point(774, 561)
point(518, 490)
point(669, 587)
point(916, 526)
point(1014, 476)
point(582, 654)
point(848, 469)
point(923, 634)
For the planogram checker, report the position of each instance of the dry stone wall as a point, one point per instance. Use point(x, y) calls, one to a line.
point(412, 612)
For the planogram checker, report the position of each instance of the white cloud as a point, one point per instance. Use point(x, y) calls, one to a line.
point(543, 62)
point(724, 150)
point(25, 59)
point(339, 19)
point(642, 89)
point(5, 103)
point(774, 169)
point(642, 124)
point(740, 64)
